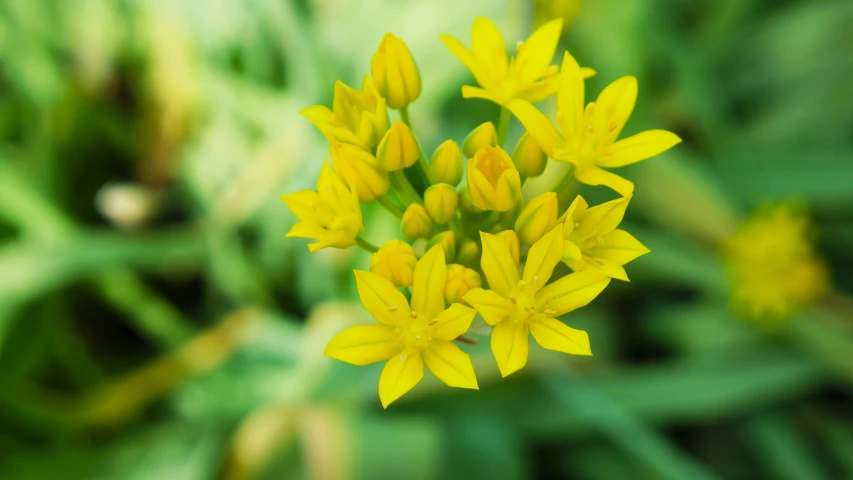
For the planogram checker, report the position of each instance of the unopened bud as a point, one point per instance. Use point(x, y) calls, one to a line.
point(441, 202)
point(459, 280)
point(446, 164)
point(395, 261)
point(395, 73)
point(447, 240)
point(528, 157)
point(416, 222)
point(537, 218)
point(480, 137)
point(398, 149)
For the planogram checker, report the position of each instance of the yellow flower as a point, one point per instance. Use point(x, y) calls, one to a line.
point(772, 265)
point(357, 117)
point(484, 134)
point(528, 76)
point(588, 138)
point(409, 337)
point(517, 306)
point(416, 222)
point(331, 215)
point(592, 241)
point(459, 280)
point(395, 72)
point(511, 240)
point(361, 169)
point(493, 181)
point(446, 164)
point(441, 201)
point(398, 149)
point(537, 218)
point(395, 261)
point(528, 157)
point(447, 241)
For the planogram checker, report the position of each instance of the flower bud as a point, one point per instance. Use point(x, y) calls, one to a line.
point(511, 239)
point(360, 169)
point(441, 201)
point(528, 157)
point(446, 164)
point(395, 73)
point(469, 253)
point(465, 200)
point(481, 136)
point(416, 222)
point(395, 261)
point(459, 281)
point(493, 181)
point(537, 218)
point(447, 240)
point(398, 148)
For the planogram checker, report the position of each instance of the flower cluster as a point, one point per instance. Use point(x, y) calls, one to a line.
point(488, 252)
point(772, 265)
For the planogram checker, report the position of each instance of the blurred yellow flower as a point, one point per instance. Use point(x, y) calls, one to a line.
point(592, 241)
point(359, 168)
point(395, 72)
point(588, 138)
point(331, 215)
point(460, 280)
point(493, 181)
point(516, 307)
point(395, 261)
point(359, 118)
point(528, 76)
point(409, 337)
point(772, 265)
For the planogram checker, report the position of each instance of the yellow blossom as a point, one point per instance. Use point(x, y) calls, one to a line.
point(528, 76)
point(528, 157)
point(512, 242)
point(357, 117)
point(395, 261)
point(361, 169)
point(331, 215)
point(459, 281)
point(398, 149)
point(483, 135)
point(446, 164)
point(537, 218)
point(441, 201)
point(592, 241)
point(518, 306)
point(395, 72)
point(772, 265)
point(588, 137)
point(493, 181)
point(407, 337)
point(416, 222)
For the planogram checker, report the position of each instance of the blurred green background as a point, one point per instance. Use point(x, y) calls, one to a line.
point(155, 323)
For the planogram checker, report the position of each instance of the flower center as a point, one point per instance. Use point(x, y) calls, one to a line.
point(416, 334)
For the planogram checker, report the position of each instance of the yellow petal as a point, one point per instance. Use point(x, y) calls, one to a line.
point(400, 375)
point(482, 192)
point(553, 334)
point(604, 267)
point(428, 284)
point(573, 215)
point(492, 307)
point(364, 344)
point(570, 97)
point(496, 261)
point(619, 247)
point(537, 91)
point(614, 105)
point(537, 124)
point(638, 147)
point(308, 230)
point(481, 74)
point(598, 176)
point(474, 92)
point(587, 72)
point(509, 346)
point(571, 292)
point(450, 364)
point(535, 55)
point(488, 46)
point(453, 322)
point(602, 219)
point(303, 204)
point(379, 297)
point(543, 256)
point(508, 191)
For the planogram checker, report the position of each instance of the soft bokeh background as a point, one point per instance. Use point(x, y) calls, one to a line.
point(155, 323)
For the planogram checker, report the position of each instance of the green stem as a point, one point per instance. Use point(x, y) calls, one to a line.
point(503, 126)
point(422, 163)
point(390, 206)
point(367, 246)
point(407, 191)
